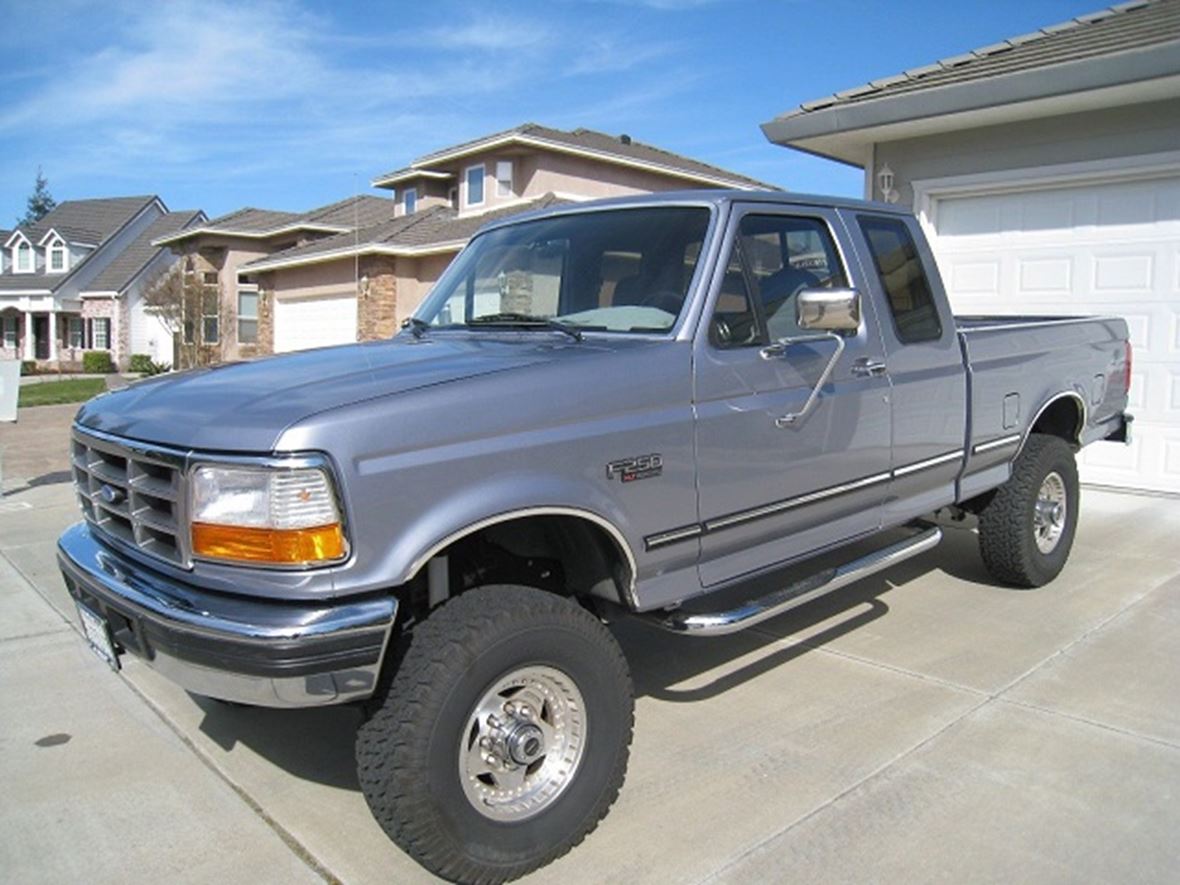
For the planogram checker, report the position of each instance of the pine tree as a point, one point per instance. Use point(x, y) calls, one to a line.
point(41, 202)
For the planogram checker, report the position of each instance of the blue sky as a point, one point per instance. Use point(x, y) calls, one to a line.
point(290, 105)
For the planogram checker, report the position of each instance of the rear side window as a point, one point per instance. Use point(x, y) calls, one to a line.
point(915, 315)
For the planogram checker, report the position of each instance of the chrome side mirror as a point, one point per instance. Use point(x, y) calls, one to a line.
point(830, 310)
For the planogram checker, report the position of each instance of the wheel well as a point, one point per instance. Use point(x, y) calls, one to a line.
point(565, 554)
point(1063, 417)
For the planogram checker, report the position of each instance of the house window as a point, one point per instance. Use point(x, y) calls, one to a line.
point(76, 339)
point(474, 176)
point(58, 257)
point(10, 333)
point(188, 332)
point(247, 316)
point(210, 327)
point(101, 333)
point(504, 178)
point(410, 200)
point(23, 260)
point(209, 277)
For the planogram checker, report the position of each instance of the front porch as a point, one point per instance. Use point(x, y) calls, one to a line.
point(51, 339)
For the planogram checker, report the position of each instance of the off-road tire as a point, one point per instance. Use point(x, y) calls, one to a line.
point(408, 750)
point(1007, 528)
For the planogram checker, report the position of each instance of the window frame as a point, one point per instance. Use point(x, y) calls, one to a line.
point(10, 333)
point(57, 247)
point(504, 183)
point(105, 324)
point(409, 201)
point(23, 247)
point(875, 269)
point(483, 187)
point(245, 289)
point(214, 299)
point(75, 324)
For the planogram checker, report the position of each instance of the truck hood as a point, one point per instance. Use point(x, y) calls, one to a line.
point(244, 407)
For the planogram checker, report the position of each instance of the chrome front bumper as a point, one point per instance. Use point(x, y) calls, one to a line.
point(253, 651)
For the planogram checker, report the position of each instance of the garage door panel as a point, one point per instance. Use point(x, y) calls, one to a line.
point(1108, 248)
point(303, 323)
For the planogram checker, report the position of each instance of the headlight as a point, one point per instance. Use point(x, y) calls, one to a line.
point(266, 515)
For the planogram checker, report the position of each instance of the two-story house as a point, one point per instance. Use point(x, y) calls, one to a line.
point(235, 324)
point(73, 281)
point(358, 285)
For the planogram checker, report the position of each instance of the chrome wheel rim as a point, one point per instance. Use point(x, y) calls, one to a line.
point(523, 743)
point(1050, 513)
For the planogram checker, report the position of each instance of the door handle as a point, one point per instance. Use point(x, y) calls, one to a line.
point(868, 368)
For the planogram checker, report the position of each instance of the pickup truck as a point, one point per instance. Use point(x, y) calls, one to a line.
point(638, 407)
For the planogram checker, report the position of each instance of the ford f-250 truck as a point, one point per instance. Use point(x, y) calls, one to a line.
point(626, 408)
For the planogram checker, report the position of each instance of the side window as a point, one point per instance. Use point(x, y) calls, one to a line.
point(899, 266)
point(773, 259)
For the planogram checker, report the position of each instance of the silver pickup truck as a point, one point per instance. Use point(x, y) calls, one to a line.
point(699, 409)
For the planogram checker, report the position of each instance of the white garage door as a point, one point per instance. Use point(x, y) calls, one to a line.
point(1094, 248)
point(314, 322)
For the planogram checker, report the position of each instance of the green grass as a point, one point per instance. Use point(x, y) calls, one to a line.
point(52, 393)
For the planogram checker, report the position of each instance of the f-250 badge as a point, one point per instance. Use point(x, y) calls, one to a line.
point(639, 467)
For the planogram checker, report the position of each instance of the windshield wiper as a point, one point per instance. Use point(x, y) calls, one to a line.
point(524, 321)
point(415, 325)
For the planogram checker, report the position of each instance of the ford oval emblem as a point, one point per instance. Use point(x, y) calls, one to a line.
point(110, 494)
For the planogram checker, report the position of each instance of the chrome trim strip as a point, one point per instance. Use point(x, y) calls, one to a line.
point(793, 595)
point(673, 535)
point(733, 519)
point(1038, 324)
point(956, 455)
point(1002, 442)
point(620, 541)
point(1083, 413)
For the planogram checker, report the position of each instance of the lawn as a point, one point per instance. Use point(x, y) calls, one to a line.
point(52, 393)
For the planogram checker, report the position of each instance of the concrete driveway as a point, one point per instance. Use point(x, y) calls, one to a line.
point(924, 725)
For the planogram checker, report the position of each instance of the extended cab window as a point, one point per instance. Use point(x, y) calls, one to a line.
point(903, 278)
point(771, 260)
point(623, 270)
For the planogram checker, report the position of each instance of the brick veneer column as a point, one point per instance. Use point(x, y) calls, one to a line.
point(376, 304)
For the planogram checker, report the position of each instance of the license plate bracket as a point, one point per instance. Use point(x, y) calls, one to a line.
point(98, 634)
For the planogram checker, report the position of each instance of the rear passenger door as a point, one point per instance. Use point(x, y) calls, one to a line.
point(924, 360)
point(771, 491)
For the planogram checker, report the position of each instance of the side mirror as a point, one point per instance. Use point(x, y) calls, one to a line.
point(830, 310)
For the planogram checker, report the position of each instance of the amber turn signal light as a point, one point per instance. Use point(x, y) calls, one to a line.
point(274, 546)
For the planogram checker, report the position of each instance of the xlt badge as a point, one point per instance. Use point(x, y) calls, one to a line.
point(639, 467)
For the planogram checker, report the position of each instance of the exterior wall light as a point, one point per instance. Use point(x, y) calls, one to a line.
point(885, 183)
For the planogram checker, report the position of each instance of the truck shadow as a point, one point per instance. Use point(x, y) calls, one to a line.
point(317, 744)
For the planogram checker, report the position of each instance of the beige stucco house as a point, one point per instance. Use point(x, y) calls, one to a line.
point(1045, 170)
point(359, 284)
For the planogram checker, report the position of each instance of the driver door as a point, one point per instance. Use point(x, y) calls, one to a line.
point(771, 491)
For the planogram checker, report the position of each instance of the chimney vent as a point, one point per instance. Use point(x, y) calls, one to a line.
point(625, 138)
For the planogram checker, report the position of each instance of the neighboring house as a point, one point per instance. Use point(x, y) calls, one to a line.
point(238, 323)
point(359, 285)
point(66, 282)
point(1046, 171)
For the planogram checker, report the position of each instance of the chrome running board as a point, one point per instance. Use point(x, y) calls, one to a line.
point(758, 610)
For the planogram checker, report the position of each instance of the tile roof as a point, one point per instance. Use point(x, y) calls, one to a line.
point(92, 222)
point(252, 221)
point(126, 266)
point(362, 210)
point(88, 221)
point(621, 147)
point(1127, 26)
point(436, 226)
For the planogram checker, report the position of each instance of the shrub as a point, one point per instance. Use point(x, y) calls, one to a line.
point(28, 367)
point(141, 363)
point(97, 362)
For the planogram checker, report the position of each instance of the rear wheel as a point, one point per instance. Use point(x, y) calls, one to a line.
point(1027, 529)
point(503, 736)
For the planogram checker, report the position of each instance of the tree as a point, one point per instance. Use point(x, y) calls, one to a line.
point(184, 305)
point(40, 203)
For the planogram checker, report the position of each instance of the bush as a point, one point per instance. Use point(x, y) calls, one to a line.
point(141, 363)
point(28, 367)
point(97, 362)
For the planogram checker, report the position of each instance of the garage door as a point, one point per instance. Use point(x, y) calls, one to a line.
point(1094, 248)
point(314, 322)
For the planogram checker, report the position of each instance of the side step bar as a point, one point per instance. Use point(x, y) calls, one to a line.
point(758, 610)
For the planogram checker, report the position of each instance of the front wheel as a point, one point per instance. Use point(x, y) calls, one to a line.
point(503, 737)
point(1027, 529)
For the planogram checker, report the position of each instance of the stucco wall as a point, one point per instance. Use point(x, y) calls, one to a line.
point(415, 276)
point(542, 173)
point(1148, 128)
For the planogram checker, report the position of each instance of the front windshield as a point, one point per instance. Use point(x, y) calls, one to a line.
point(620, 270)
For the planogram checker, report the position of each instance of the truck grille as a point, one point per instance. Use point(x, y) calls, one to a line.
point(132, 492)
